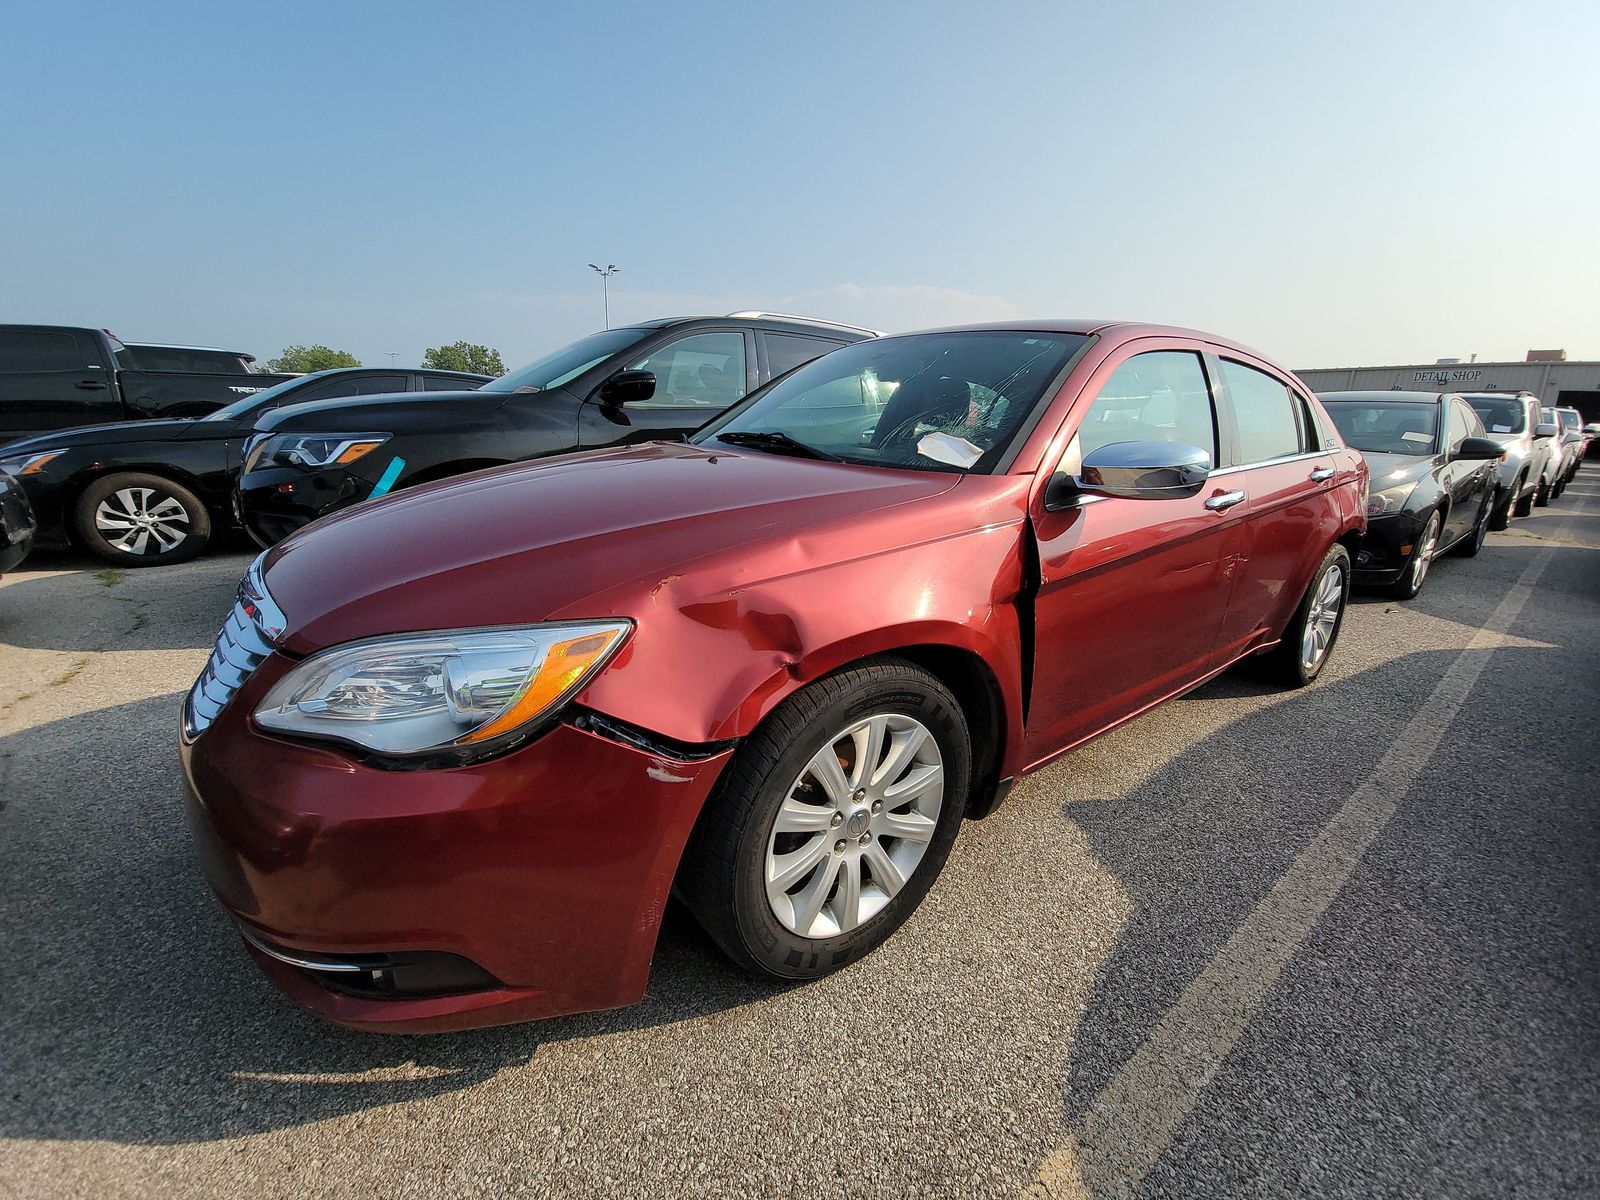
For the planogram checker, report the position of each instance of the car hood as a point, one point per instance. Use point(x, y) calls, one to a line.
point(118, 434)
point(350, 412)
point(1391, 470)
point(591, 535)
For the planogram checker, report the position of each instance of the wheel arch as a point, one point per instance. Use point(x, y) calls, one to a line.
point(451, 469)
point(72, 493)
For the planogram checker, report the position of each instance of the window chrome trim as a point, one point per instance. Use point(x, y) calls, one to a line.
point(1270, 462)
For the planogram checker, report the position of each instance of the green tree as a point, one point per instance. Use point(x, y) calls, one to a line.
point(464, 356)
point(311, 358)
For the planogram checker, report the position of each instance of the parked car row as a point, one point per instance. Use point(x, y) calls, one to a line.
point(147, 493)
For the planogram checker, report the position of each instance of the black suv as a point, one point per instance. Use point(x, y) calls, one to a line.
point(650, 381)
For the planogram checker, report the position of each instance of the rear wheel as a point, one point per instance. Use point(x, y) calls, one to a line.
point(1311, 632)
point(1410, 581)
point(139, 520)
point(832, 822)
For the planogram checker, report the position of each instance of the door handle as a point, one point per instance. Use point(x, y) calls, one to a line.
point(1321, 473)
point(1225, 501)
point(90, 385)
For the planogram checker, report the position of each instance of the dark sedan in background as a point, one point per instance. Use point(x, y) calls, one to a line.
point(143, 493)
point(654, 380)
point(1435, 480)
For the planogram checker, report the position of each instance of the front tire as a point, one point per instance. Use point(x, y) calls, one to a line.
point(138, 520)
point(1411, 579)
point(832, 822)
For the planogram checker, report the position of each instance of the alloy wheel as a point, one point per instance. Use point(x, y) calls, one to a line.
point(141, 520)
point(854, 825)
point(1322, 618)
point(1424, 552)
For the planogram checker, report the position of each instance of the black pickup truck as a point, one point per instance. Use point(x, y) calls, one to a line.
point(59, 376)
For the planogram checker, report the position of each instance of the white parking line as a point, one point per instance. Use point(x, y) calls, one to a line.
point(1133, 1120)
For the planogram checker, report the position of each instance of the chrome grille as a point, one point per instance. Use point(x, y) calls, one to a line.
point(242, 644)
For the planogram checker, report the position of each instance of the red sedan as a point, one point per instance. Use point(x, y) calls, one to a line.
point(455, 747)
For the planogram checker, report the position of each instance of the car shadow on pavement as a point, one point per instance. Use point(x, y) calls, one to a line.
point(1447, 987)
point(91, 606)
point(133, 1014)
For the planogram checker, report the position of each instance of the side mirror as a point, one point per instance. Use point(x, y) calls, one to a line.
point(1477, 449)
point(1134, 471)
point(1545, 429)
point(628, 387)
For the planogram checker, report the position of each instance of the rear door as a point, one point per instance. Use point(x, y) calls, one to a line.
point(1131, 592)
point(1277, 458)
point(53, 379)
point(698, 375)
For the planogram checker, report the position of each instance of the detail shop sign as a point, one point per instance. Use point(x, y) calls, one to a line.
point(1442, 377)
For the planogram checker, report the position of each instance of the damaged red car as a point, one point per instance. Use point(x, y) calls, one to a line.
point(455, 748)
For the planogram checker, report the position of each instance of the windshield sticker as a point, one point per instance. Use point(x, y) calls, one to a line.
point(1418, 437)
point(947, 448)
point(1501, 428)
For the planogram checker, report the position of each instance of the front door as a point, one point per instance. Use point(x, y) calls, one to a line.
point(1465, 480)
point(697, 377)
point(1132, 592)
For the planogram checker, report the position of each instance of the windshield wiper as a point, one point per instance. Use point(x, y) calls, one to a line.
point(782, 443)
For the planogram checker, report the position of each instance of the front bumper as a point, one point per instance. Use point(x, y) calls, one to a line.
point(1386, 548)
point(17, 526)
point(540, 876)
point(273, 502)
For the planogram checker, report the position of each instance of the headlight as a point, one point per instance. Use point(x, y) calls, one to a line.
point(28, 464)
point(311, 449)
point(467, 691)
point(1390, 500)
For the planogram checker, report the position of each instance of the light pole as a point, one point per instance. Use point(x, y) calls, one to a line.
point(393, 354)
point(605, 287)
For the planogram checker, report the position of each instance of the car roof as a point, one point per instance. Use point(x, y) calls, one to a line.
point(1389, 397)
point(1125, 331)
point(182, 346)
point(777, 322)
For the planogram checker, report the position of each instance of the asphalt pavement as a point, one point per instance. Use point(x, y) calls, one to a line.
point(1337, 942)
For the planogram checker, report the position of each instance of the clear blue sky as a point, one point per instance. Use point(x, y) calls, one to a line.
point(1334, 184)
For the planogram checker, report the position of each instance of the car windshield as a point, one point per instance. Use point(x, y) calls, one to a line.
point(1499, 414)
point(1569, 419)
point(273, 395)
point(1381, 428)
point(567, 363)
point(930, 401)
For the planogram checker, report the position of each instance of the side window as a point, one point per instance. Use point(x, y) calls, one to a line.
point(22, 350)
point(1264, 409)
point(432, 383)
point(703, 370)
point(1156, 397)
point(1460, 426)
point(787, 351)
point(375, 385)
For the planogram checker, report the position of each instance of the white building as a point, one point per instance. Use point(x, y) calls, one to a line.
point(1557, 384)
